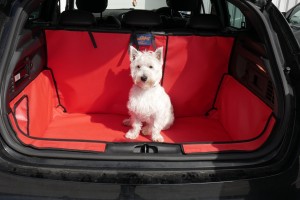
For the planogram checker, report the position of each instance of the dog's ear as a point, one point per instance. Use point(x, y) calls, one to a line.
point(133, 53)
point(159, 54)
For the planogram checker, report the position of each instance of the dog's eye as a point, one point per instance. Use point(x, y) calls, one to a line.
point(138, 67)
point(150, 67)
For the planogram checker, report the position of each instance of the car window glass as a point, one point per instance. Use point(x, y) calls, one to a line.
point(128, 4)
point(136, 4)
point(236, 17)
point(208, 7)
point(294, 18)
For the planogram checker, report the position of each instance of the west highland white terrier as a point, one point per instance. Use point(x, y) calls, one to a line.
point(148, 102)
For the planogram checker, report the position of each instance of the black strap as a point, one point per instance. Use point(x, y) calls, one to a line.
point(165, 60)
point(153, 42)
point(134, 41)
point(56, 90)
point(93, 39)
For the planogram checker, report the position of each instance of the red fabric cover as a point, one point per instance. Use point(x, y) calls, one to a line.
point(251, 145)
point(242, 114)
point(92, 80)
point(41, 101)
point(40, 96)
point(194, 68)
point(41, 143)
point(85, 133)
point(101, 127)
point(51, 128)
point(94, 86)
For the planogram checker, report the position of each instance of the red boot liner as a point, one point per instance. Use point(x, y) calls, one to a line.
point(93, 86)
point(90, 132)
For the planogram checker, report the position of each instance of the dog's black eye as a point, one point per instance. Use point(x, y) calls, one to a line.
point(150, 67)
point(138, 66)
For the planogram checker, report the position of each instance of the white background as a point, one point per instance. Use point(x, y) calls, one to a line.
point(283, 5)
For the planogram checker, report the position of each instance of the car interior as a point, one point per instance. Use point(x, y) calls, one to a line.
point(70, 84)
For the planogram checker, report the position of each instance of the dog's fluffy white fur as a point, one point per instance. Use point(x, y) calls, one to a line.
point(148, 102)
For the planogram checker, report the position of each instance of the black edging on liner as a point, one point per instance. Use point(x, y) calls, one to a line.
point(241, 141)
point(234, 142)
point(53, 140)
point(134, 143)
point(60, 149)
point(27, 111)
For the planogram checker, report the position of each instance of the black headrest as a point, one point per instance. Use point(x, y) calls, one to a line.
point(76, 18)
point(141, 18)
point(183, 5)
point(94, 6)
point(205, 22)
point(166, 11)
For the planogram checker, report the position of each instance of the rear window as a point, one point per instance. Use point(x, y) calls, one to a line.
point(207, 6)
point(137, 4)
point(127, 4)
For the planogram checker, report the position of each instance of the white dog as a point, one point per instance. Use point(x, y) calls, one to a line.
point(148, 102)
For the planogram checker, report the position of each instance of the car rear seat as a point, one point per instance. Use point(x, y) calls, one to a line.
point(98, 6)
point(141, 23)
point(205, 23)
point(175, 22)
point(77, 18)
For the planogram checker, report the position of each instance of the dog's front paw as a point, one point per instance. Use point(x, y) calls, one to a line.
point(157, 138)
point(131, 135)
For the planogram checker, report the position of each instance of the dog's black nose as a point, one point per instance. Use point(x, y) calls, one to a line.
point(144, 78)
